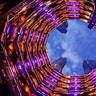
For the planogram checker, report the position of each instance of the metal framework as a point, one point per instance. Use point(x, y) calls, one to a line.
point(25, 64)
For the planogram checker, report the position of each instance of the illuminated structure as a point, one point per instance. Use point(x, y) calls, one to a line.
point(89, 65)
point(25, 64)
point(59, 64)
point(63, 27)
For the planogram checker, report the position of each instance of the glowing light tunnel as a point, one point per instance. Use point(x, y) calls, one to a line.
point(26, 67)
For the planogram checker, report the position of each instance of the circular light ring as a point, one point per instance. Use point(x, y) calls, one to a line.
point(43, 20)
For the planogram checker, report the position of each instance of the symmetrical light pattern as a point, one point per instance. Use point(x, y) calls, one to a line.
point(26, 67)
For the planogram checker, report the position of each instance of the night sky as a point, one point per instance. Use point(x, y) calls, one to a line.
point(76, 45)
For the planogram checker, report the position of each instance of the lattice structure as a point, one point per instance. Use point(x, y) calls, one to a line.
point(25, 66)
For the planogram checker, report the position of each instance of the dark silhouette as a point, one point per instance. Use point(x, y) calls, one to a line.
point(59, 64)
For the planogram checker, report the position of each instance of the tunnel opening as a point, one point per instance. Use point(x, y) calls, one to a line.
point(75, 42)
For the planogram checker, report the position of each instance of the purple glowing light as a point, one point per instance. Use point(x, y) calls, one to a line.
point(74, 94)
point(23, 31)
point(51, 14)
point(75, 83)
point(48, 84)
point(75, 78)
point(7, 29)
point(10, 29)
point(74, 9)
point(36, 63)
point(42, 38)
point(40, 89)
point(28, 63)
point(42, 13)
point(47, 9)
point(13, 69)
point(36, 36)
point(41, 4)
point(74, 14)
point(74, 88)
point(52, 79)
point(20, 68)
point(40, 59)
point(55, 75)
point(92, 75)
point(54, 18)
point(94, 80)
point(73, 4)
